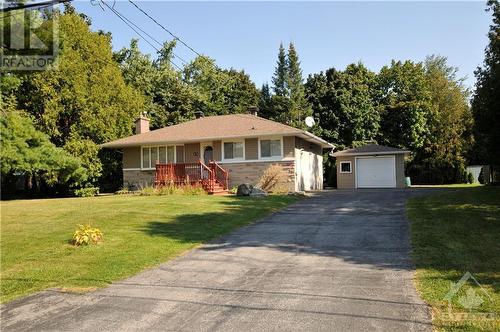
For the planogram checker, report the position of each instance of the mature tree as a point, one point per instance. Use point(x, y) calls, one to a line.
point(138, 71)
point(442, 157)
point(29, 152)
point(299, 106)
point(342, 102)
point(242, 92)
point(83, 100)
point(486, 101)
point(279, 78)
point(288, 104)
point(265, 102)
point(219, 91)
point(174, 101)
point(404, 102)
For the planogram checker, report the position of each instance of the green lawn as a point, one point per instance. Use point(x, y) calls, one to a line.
point(139, 232)
point(453, 232)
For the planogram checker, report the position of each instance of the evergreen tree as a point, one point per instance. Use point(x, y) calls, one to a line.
point(279, 78)
point(288, 104)
point(265, 102)
point(486, 101)
point(299, 107)
point(27, 151)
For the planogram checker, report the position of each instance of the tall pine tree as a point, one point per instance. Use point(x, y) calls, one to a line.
point(486, 101)
point(299, 107)
point(280, 74)
point(289, 103)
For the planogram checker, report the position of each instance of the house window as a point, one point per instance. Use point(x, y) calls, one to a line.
point(345, 167)
point(145, 158)
point(162, 159)
point(233, 150)
point(270, 148)
point(171, 154)
point(157, 154)
point(154, 156)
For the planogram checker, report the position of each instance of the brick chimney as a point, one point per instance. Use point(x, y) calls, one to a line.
point(142, 124)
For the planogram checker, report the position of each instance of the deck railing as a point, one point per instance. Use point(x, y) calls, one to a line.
point(221, 175)
point(192, 173)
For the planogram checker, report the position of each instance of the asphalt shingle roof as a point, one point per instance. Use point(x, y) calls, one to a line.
point(370, 149)
point(214, 128)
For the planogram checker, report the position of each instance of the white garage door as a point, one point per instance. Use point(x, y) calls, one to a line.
point(376, 172)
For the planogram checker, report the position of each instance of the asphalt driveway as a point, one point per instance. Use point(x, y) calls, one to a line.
point(335, 262)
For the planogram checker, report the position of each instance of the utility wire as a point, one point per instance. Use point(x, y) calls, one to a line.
point(146, 33)
point(31, 5)
point(137, 32)
point(161, 26)
point(21, 11)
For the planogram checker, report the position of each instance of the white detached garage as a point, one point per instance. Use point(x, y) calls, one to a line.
point(371, 166)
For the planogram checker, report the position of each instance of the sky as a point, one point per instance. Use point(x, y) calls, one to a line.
point(246, 35)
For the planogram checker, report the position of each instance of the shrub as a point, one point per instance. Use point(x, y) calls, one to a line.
point(480, 178)
point(470, 178)
point(193, 190)
point(147, 191)
point(87, 192)
point(272, 179)
point(123, 191)
point(86, 235)
point(171, 189)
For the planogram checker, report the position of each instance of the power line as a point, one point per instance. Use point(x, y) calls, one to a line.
point(31, 5)
point(161, 26)
point(146, 33)
point(137, 32)
point(21, 11)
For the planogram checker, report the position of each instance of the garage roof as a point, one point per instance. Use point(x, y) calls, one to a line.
point(370, 149)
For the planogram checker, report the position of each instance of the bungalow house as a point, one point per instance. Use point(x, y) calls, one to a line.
point(221, 152)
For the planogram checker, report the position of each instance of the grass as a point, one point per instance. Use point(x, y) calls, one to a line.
point(139, 232)
point(454, 232)
point(454, 185)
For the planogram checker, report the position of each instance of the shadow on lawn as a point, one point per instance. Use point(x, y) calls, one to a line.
point(361, 227)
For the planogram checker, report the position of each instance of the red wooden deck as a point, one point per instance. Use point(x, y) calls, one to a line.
point(212, 177)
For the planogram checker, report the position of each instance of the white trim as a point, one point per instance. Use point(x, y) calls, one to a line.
point(223, 159)
point(368, 157)
point(272, 158)
point(256, 161)
point(132, 169)
point(350, 167)
point(149, 147)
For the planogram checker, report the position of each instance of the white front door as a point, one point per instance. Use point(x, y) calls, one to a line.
point(376, 172)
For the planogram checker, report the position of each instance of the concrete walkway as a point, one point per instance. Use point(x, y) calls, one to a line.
point(338, 261)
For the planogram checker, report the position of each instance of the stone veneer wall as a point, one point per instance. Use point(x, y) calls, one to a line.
point(239, 173)
point(250, 172)
point(137, 179)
